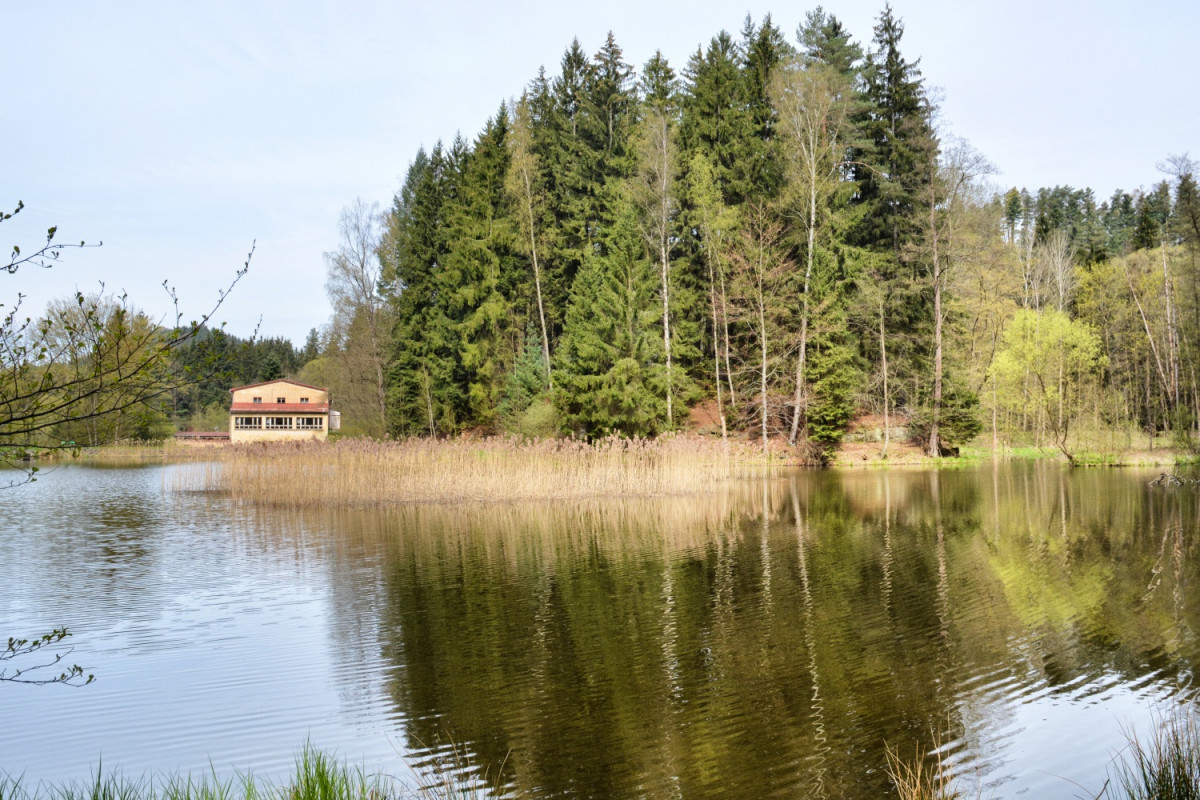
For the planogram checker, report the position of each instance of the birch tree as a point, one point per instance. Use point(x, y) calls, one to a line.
point(524, 186)
point(361, 321)
point(761, 270)
point(811, 100)
point(656, 196)
point(948, 200)
point(715, 220)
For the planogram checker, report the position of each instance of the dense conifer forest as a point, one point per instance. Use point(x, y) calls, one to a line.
point(777, 229)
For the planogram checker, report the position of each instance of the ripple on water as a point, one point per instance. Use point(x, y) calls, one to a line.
point(735, 656)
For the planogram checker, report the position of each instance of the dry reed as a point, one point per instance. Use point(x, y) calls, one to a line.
point(925, 777)
point(129, 453)
point(363, 472)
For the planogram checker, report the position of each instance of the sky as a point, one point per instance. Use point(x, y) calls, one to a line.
point(182, 134)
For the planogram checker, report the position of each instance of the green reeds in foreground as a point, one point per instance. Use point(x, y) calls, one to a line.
point(318, 776)
point(1167, 767)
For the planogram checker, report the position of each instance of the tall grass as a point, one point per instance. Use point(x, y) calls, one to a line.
point(128, 453)
point(364, 472)
point(1167, 767)
point(925, 777)
point(317, 776)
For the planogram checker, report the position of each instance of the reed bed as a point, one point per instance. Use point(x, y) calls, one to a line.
point(129, 454)
point(364, 472)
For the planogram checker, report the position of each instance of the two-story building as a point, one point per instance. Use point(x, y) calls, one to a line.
point(280, 410)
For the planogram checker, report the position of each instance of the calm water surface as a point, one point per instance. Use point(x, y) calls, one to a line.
point(766, 641)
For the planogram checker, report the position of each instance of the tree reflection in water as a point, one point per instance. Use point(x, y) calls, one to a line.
point(773, 638)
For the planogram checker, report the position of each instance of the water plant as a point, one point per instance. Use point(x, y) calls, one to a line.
point(924, 777)
point(1164, 767)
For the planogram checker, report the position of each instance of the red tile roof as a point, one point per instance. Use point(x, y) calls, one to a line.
point(279, 408)
point(279, 380)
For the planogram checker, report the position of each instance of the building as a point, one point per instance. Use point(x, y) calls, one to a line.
point(278, 411)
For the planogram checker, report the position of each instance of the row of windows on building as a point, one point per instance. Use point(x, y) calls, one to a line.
point(280, 399)
point(278, 423)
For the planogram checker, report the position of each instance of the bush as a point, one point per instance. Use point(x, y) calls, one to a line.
point(538, 421)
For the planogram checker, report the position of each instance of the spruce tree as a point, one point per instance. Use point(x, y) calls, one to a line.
point(570, 163)
point(897, 156)
point(716, 120)
point(897, 139)
point(609, 373)
point(483, 272)
point(424, 392)
point(824, 40)
point(764, 49)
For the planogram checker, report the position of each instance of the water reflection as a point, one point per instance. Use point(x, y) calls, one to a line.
point(772, 640)
point(768, 640)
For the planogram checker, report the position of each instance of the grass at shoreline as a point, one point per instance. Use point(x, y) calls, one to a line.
point(317, 776)
point(1164, 767)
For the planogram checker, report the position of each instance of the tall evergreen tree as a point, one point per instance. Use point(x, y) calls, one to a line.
point(898, 139)
point(610, 373)
point(610, 104)
point(716, 120)
point(764, 49)
point(823, 39)
point(894, 171)
point(483, 273)
point(424, 392)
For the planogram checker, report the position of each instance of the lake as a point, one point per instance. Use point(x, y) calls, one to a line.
point(768, 640)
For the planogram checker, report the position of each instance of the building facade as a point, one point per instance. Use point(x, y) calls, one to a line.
point(279, 410)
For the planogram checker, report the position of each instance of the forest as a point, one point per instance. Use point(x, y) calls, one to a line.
point(782, 233)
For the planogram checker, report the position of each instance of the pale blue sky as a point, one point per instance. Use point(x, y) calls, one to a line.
point(178, 133)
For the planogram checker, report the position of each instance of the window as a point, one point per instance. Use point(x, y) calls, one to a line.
point(248, 423)
point(310, 423)
point(279, 423)
point(303, 399)
point(258, 399)
point(280, 399)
